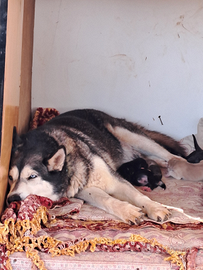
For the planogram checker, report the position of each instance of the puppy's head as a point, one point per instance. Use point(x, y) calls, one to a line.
point(37, 166)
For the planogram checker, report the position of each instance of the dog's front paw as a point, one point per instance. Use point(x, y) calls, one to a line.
point(158, 212)
point(129, 213)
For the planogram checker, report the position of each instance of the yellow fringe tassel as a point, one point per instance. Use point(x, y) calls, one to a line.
point(12, 235)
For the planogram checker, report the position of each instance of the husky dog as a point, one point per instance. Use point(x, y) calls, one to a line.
point(76, 154)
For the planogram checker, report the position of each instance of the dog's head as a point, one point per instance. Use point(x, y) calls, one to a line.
point(37, 166)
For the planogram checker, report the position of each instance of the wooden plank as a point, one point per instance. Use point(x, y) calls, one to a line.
point(26, 66)
point(17, 81)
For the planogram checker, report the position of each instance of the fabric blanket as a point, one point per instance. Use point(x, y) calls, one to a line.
point(69, 227)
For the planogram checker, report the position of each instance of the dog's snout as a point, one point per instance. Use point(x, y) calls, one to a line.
point(13, 198)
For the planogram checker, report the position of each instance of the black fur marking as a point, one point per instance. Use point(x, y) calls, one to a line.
point(197, 155)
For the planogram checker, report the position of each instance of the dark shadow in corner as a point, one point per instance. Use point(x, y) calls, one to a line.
point(3, 22)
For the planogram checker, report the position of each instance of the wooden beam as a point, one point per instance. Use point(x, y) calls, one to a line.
point(17, 80)
point(26, 66)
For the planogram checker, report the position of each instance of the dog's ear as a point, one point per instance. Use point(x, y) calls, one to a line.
point(56, 162)
point(17, 141)
point(197, 148)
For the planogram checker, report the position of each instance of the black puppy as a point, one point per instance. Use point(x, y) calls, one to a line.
point(138, 174)
point(197, 155)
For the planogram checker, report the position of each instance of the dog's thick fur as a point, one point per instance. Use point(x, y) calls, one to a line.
point(77, 154)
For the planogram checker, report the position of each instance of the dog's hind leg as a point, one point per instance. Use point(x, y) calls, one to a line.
point(122, 209)
point(142, 144)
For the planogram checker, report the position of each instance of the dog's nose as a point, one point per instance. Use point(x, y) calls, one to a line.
point(13, 198)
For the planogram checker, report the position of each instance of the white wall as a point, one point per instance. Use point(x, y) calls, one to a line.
point(137, 59)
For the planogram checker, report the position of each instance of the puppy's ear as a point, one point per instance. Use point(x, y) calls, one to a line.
point(17, 141)
point(56, 162)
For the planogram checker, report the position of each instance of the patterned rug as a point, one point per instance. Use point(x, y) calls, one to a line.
point(69, 227)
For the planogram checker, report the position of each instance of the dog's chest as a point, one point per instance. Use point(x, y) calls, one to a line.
point(101, 175)
point(97, 174)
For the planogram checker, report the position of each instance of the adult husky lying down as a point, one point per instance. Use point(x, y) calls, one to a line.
point(76, 154)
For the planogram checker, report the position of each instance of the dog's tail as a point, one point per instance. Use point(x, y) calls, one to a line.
point(167, 142)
